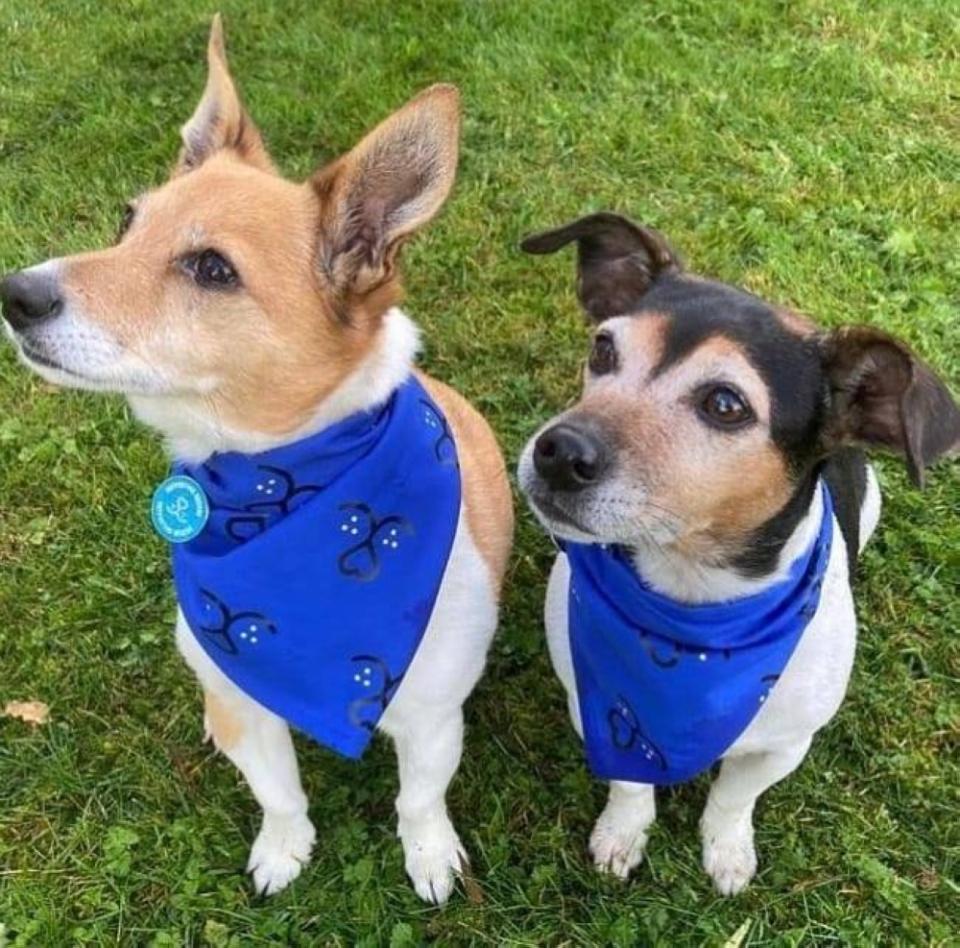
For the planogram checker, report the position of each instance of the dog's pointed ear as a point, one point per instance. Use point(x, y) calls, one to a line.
point(220, 120)
point(388, 186)
point(883, 395)
point(617, 260)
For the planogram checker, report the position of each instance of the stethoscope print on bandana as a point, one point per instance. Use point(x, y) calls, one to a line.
point(768, 681)
point(666, 655)
point(812, 603)
point(627, 735)
point(674, 652)
point(444, 447)
point(258, 514)
point(365, 712)
point(377, 535)
point(248, 626)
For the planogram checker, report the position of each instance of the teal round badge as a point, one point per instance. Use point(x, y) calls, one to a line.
point(179, 509)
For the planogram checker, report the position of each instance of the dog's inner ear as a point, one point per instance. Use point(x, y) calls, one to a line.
point(617, 260)
point(386, 188)
point(881, 394)
point(220, 120)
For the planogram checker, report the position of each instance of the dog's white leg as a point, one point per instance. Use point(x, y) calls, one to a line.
point(263, 752)
point(726, 826)
point(619, 836)
point(259, 745)
point(429, 745)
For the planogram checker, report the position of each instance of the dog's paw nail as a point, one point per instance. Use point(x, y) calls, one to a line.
point(617, 850)
point(618, 842)
point(279, 853)
point(730, 862)
point(433, 860)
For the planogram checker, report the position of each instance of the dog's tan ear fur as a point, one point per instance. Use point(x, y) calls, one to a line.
point(386, 188)
point(220, 120)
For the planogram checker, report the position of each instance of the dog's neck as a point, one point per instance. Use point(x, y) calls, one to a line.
point(685, 579)
point(192, 431)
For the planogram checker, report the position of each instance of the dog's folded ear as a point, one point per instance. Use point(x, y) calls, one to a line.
point(220, 120)
point(883, 395)
point(617, 260)
point(391, 184)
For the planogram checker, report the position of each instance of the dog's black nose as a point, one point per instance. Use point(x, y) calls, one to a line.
point(569, 458)
point(30, 298)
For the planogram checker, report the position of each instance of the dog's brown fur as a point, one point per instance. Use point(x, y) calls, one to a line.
point(316, 275)
point(315, 285)
point(240, 312)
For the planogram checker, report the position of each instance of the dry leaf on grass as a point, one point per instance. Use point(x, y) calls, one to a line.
point(471, 887)
point(736, 939)
point(33, 712)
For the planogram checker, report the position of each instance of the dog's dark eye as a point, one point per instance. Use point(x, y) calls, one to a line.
point(603, 357)
point(724, 407)
point(211, 270)
point(129, 212)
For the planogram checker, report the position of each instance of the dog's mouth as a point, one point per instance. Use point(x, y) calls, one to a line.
point(36, 357)
point(557, 519)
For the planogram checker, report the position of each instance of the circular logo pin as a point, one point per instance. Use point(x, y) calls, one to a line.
point(179, 509)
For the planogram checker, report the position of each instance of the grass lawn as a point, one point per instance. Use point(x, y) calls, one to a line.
point(808, 151)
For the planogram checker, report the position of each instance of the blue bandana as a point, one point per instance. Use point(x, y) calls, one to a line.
point(666, 688)
point(313, 581)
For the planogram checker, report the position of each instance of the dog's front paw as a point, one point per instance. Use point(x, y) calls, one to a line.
point(434, 856)
point(619, 836)
point(617, 842)
point(280, 851)
point(729, 857)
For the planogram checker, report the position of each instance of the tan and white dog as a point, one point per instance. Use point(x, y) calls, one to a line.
point(240, 312)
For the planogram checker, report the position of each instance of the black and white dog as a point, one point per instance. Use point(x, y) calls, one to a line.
point(709, 420)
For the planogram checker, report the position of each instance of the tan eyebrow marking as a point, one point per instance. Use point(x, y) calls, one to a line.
point(797, 323)
point(646, 333)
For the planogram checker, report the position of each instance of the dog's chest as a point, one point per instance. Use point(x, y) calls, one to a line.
point(810, 688)
point(814, 683)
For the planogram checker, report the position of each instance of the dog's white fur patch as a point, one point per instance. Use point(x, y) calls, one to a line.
point(89, 358)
